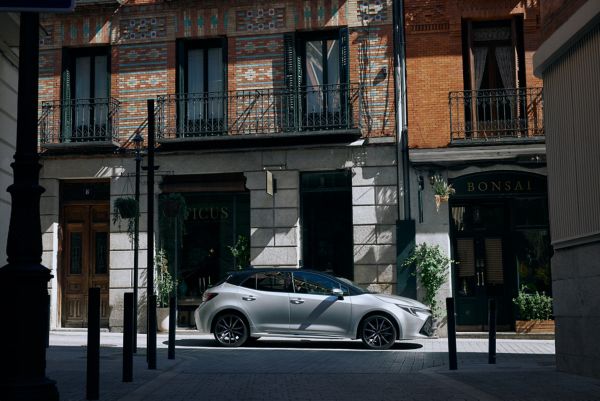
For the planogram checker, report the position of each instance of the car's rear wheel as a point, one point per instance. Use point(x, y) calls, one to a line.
point(231, 330)
point(378, 332)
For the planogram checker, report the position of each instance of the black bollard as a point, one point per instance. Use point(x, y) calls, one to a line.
point(93, 346)
point(151, 347)
point(172, 326)
point(128, 343)
point(48, 324)
point(451, 333)
point(492, 329)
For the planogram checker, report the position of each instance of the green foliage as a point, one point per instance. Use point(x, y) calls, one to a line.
point(241, 252)
point(441, 187)
point(126, 209)
point(533, 306)
point(164, 283)
point(431, 267)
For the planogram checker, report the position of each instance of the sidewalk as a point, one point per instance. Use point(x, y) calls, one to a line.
point(300, 370)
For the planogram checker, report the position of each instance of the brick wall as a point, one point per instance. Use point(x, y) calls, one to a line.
point(555, 12)
point(142, 36)
point(435, 60)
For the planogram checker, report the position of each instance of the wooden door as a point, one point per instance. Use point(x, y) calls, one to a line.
point(84, 262)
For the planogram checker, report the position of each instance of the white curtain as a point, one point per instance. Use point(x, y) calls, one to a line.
point(506, 65)
point(480, 55)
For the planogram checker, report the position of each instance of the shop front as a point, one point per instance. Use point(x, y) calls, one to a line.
point(500, 240)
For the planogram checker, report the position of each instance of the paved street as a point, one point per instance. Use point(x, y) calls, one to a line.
point(280, 369)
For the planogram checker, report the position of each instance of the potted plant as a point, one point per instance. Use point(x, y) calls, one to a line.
point(126, 208)
point(241, 252)
point(164, 287)
point(535, 312)
point(441, 190)
point(431, 268)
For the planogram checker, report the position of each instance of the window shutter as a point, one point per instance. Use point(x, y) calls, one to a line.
point(344, 56)
point(292, 76)
point(181, 86)
point(66, 98)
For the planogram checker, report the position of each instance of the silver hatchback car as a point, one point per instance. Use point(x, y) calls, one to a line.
point(257, 303)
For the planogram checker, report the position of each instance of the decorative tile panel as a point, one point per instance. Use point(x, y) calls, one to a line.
point(260, 19)
point(372, 11)
point(143, 28)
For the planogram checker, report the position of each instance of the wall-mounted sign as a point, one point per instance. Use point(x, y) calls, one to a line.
point(499, 183)
point(208, 213)
point(43, 6)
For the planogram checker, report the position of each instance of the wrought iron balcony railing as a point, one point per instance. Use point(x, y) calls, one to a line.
point(496, 115)
point(259, 112)
point(79, 121)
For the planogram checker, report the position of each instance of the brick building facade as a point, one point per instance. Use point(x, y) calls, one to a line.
point(303, 90)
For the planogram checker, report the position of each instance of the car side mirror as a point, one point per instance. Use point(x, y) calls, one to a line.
point(338, 293)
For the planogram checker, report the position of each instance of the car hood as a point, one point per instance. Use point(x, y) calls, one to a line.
point(395, 299)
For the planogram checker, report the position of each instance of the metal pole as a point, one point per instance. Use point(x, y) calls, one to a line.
point(93, 345)
point(150, 252)
point(128, 331)
point(451, 333)
point(136, 245)
point(173, 297)
point(24, 281)
point(492, 328)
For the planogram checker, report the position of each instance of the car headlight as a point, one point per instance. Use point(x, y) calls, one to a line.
point(414, 310)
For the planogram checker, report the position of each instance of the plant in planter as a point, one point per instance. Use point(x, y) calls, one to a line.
point(241, 252)
point(535, 312)
point(441, 190)
point(431, 268)
point(164, 287)
point(126, 209)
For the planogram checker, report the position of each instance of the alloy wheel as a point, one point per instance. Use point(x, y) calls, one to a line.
point(231, 330)
point(378, 332)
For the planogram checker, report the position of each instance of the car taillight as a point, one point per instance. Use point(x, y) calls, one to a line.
point(207, 296)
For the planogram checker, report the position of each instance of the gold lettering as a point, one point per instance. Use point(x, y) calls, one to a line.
point(496, 186)
point(482, 186)
point(470, 187)
point(224, 213)
point(214, 213)
point(528, 185)
point(507, 186)
point(518, 186)
point(202, 214)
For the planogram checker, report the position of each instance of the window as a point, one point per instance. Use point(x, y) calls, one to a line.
point(201, 87)
point(269, 281)
point(311, 283)
point(317, 68)
point(85, 95)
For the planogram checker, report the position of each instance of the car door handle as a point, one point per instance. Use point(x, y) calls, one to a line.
point(297, 301)
point(249, 298)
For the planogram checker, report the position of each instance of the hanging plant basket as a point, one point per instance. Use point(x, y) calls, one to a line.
point(439, 199)
point(127, 208)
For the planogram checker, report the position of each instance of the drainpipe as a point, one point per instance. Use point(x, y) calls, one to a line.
point(405, 226)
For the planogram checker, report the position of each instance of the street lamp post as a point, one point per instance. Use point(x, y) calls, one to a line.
point(24, 300)
point(137, 141)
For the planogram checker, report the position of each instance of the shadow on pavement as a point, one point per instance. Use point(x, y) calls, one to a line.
point(269, 343)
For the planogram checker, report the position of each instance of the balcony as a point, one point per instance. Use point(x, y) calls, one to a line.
point(496, 116)
point(332, 110)
point(82, 123)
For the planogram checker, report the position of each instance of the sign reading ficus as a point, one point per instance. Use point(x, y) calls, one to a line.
point(499, 183)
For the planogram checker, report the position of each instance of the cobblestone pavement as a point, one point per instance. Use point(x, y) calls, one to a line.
point(300, 370)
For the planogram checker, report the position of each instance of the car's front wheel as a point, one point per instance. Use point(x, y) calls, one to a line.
point(378, 332)
point(231, 330)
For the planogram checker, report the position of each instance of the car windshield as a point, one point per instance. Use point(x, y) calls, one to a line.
point(352, 284)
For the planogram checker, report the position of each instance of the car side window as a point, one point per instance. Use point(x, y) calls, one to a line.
point(269, 281)
point(310, 283)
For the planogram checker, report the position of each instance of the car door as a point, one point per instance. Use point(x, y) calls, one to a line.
point(314, 311)
point(265, 299)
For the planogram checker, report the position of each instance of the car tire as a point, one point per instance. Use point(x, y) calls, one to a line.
point(378, 332)
point(231, 330)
